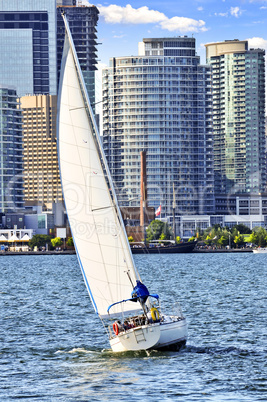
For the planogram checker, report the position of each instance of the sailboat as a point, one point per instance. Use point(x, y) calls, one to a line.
point(131, 315)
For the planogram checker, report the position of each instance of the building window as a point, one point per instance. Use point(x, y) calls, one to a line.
point(41, 221)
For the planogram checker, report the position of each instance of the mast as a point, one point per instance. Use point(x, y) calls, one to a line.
point(143, 198)
point(173, 213)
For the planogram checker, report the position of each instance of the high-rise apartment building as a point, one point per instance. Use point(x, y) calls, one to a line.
point(11, 159)
point(82, 22)
point(41, 172)
point(28, 46)
point(160, 102)
point(238, 87)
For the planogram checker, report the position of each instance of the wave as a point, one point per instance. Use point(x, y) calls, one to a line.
point(215, 350)
point(78, 351)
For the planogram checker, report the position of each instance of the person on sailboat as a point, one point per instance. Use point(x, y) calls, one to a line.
point(126, 325)
point(140, 292)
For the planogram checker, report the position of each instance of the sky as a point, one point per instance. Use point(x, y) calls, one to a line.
point(123, 24)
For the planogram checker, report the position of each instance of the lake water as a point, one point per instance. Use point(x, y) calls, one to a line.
point(53, 346)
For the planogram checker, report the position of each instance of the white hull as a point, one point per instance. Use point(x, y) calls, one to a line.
point(167, 334)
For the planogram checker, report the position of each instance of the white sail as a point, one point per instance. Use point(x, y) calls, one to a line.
point(100, 240)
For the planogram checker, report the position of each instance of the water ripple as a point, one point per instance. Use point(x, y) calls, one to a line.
point(53, 347)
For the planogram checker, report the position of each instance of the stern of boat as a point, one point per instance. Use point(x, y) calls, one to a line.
point(139, 338)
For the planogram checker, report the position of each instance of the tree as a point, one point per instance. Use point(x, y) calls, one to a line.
point(253, 238)
point(56, 242)
point(261, 235)
point(208, 240)
point(178, 239)
point(156, 228)
point(162, 236)
point(241, 228)
point(192, 238)
point(239, 240)
point(70, 242)
point(211, 235)
point(39, 241)
point(223, 241)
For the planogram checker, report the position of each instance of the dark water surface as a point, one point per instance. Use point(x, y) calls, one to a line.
point(53, 347)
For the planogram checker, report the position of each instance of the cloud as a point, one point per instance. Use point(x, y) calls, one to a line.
point(114, 14)
point(257, 43)
point(221, 14)
point(236, 11)
point(119, 36)
point(183, 25)
point(200, 8)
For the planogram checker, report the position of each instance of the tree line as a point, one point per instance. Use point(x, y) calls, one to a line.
point(40, 241)
point(237, 236)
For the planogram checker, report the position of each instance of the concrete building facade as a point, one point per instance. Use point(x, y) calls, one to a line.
point(160, 102)
point(238, 93)
point(41, 172)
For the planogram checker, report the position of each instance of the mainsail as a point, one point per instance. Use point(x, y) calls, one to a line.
point(101, 243)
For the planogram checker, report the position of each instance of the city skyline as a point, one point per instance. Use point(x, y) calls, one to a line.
point(139, 24)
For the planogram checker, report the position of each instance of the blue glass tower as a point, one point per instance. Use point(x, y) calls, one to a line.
point(11, 155)
point(28, 46)
point(82, 21)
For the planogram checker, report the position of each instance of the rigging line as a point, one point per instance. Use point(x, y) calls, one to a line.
point(84, 107)
point(97, 209)
point(130, 279)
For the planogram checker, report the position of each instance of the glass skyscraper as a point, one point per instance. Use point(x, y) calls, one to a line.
point(160, 102)
point(82, 21)
point(238, 87)
point(11, 155)
point(28, 46)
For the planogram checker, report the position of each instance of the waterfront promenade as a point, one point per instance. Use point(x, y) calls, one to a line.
point(71, 252)
point(50, 252)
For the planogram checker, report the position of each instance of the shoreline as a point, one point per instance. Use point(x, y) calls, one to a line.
point(73, 252)
point(52, 252)
point(223, 250)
